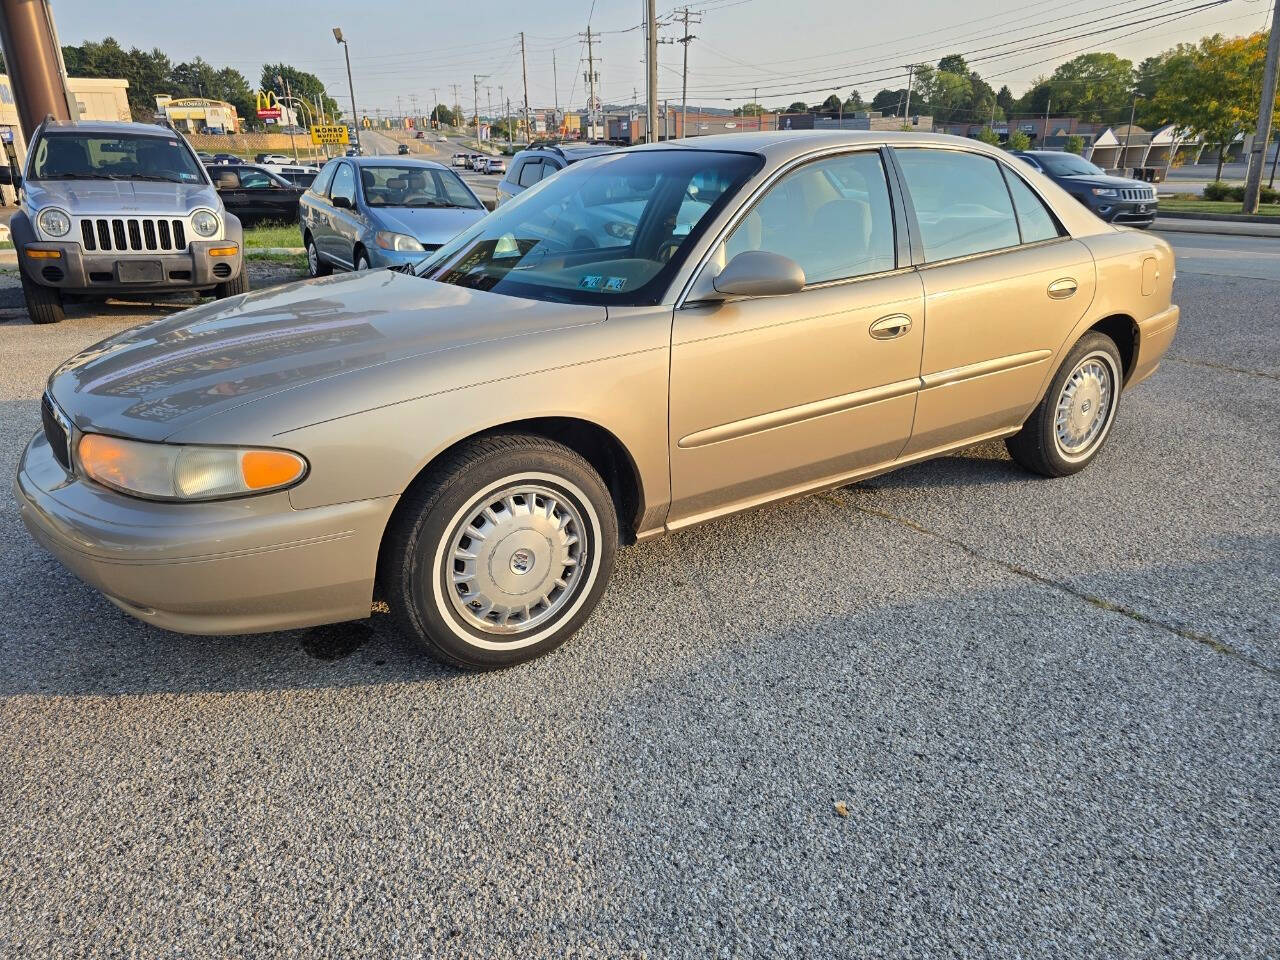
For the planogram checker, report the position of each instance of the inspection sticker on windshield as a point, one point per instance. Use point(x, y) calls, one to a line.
point(615, 283)
point(592, 281)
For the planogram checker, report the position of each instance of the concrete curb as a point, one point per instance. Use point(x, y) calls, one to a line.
point(1219, 217)
point(1222, 227)
point(274, 251)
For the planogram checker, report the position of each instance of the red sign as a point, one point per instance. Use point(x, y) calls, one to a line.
point(271, 113)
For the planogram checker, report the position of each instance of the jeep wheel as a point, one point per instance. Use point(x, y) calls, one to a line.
point(44, 304)
point(237, 284)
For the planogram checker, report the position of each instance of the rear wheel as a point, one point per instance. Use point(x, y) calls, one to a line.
point(44, 304)
point(1074, 418)
point(501, 553)
point(315, 266)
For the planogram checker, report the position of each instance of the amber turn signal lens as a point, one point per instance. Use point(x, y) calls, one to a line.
point(223, 251)
point(44, 254)
point(262, 469)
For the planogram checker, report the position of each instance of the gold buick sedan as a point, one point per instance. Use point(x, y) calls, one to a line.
point(647, 340)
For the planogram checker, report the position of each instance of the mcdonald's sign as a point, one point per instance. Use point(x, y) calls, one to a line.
point(268, 105)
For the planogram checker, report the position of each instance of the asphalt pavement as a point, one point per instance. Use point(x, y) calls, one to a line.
point(1049, 711)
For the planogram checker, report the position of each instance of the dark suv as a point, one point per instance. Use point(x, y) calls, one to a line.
point(1114, 199)
point(539, 162)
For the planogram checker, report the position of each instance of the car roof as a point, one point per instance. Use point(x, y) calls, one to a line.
point(782, 145)
point(112, 126)
point(390, 160)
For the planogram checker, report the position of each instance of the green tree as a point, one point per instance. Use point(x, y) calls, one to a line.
point(305, 86)
point(1093, 86)
point(889, 101)
point(147, 72)
point(989, 136)
point(831, 105)
point(798, 107)
point(442, 115)
point(1211, 88)
point(1018, 141)
point(1075, 144)
point(748, 110)
point(853, 102)
point(1005, 100)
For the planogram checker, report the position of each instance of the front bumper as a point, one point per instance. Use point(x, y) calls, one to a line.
point(1137, 213)
point(378, 257)
point(78, 271)
point(237, 566)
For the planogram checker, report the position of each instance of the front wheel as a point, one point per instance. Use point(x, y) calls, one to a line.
point(501, 552)
point(1069, 426)
point(236, 285)
point(44, 304)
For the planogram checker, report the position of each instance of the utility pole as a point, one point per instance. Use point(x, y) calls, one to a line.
point(488, 107)
point(457, 108)
point(911, 75)
point(508, 120)
point(524, 73)
point(475, 87)
point(288, 99)
point(590, 77)
point(1133, 110)
point(1266, 111)
point(1044, 137)
point(555, 83)
point(651, 70)
point(686, 18)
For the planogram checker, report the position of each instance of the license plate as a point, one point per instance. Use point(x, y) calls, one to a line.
point(140, 271)
point(1142, 208)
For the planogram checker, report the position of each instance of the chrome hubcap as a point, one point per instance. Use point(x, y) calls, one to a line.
point(313, 259)
point(1084, 407)
point(515, 558)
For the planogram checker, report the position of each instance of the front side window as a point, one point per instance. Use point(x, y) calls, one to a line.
point(832, 216)
point(411, 186)
point(344, 184)
point(69, 155)
point(610, 230)
point(960, 200)
point(1034, 219)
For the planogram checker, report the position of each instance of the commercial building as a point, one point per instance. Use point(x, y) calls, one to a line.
point(198, 114)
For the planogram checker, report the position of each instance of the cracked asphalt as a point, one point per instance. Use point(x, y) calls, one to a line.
point(1050, 709)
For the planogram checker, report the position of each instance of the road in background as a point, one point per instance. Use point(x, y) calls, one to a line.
point(1048, 707)
point(1226, 256)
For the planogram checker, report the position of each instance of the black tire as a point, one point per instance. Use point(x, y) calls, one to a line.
point(236, 285)
point(1037, 446)
point(417, 574)
point(361, 261)
point(315, 266)
point(44, 304)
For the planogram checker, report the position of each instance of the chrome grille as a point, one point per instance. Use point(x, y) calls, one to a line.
point(56, 432)
point(133, 234)
point(1137, 193)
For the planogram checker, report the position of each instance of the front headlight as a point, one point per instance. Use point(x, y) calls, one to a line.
point(204, 222)
point(1104, 192)
point(53, 222)
point(164, 471)
point(396, 241)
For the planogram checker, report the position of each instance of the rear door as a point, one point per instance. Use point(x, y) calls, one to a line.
point(1004, 285)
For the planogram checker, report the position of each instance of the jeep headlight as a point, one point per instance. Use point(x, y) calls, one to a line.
point(1104, 192)
point(204, 223)
point(53, 222)
point(388, 240)
point(164, 471)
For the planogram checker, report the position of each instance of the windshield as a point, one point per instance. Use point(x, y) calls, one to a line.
point(1069, 165)
point(86, 156)
point(608, 230)
point(391, 186)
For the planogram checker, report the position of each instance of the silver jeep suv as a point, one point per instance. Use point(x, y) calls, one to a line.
point(112, 208)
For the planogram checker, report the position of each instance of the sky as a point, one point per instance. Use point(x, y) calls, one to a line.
point(776, 51)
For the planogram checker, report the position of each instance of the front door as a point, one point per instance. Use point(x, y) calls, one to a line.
point(1004, 286)
point(336, 237)
point(777, 394)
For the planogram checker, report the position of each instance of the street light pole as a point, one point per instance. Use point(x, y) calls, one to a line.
point(1266, 110)
point(351, 87)
point(651, 71)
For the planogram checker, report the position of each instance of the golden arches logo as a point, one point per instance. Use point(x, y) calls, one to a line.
point(266, 100)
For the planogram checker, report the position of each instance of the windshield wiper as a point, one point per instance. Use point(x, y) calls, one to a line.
point(81, 176)
point(154, 177)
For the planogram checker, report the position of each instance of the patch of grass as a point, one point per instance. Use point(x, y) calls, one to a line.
point(1178, 205)
point(296, 260)
point(273, 235)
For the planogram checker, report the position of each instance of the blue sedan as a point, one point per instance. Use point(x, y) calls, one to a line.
point(364, 212)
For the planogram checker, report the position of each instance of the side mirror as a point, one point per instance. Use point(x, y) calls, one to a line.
point(343, 203)
point(758, 273)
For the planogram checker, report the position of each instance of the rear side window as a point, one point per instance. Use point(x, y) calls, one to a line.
point(1034, 219)
point(321, 183)
point(832, 216)
point(530, 173)
point(961, 202)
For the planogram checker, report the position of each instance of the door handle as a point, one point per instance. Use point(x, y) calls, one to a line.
point(890, 327)
point(1061, 289)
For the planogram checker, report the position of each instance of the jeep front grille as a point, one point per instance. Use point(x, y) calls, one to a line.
point(1137, 193)
point(133, 234)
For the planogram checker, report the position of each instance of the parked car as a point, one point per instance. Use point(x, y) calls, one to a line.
point(300, 175)
point(220, 158)
point(204, 157)
point(380, 212)
point(111, 208)
point(255, 194)
point(1114, 199)
point(460, 160)
point(476, 436)
point(537, 163)
point(493, 165)
point(273, 158)
point(402, 149)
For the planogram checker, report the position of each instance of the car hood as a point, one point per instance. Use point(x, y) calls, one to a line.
point(434, 226)
point(119, 196)
point(1093, 180)
point(154, 380)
